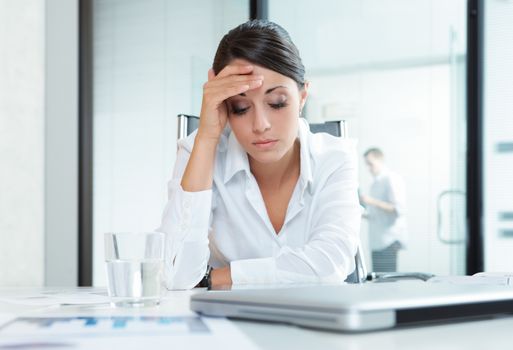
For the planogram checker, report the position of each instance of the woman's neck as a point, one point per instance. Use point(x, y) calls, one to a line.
point(275, 174)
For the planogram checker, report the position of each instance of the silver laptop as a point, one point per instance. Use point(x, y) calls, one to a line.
point(358, 307)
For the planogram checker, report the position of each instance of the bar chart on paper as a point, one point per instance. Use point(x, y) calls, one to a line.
point(104, 326)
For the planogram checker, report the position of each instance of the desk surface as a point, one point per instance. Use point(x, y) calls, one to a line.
point(472, 334)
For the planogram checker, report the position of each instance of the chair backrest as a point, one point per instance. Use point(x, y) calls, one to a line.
point(335, 128)
point(188, 123)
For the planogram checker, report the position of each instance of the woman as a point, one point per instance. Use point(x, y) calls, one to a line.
point(254, 194)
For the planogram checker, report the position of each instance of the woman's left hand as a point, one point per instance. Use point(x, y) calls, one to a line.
point(221, 277)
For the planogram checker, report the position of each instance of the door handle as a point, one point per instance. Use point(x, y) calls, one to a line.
point(439, 229)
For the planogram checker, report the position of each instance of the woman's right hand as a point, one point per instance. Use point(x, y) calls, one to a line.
point(231, 81)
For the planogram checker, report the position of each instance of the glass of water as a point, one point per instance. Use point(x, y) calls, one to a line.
point(135, 262)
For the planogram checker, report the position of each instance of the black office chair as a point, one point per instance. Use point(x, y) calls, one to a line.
point(188, 123)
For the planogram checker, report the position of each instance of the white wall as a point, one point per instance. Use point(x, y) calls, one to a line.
point(61, 143)
point(498, 129)
point(38, 142)
point(22, 28)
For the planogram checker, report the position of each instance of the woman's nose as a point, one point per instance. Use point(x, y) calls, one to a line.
point(260, 123)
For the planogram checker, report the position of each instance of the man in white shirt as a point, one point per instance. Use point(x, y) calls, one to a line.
point(385, 206)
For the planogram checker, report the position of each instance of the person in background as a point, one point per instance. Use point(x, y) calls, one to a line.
point(385, 206)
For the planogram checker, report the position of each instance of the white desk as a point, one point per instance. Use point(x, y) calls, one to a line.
point(482, 334)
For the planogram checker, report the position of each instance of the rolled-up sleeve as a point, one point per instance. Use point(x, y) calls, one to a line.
point(328, 255)
point(186, 222)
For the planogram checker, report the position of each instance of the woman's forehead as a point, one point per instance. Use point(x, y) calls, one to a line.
point(270, 76)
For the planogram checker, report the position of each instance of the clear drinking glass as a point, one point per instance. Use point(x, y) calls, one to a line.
point(135, 262)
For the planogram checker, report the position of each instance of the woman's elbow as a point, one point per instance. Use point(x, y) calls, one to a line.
point(183, 279)
point(178, 282)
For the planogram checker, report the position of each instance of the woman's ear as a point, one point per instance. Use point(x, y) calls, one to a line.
point(303, 94)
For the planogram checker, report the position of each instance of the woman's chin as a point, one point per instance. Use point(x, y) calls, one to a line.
point(266, 157)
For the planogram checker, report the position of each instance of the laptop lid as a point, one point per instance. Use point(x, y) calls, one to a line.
point(358, 307)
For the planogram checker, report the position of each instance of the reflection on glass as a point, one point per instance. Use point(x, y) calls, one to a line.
point(385, 205)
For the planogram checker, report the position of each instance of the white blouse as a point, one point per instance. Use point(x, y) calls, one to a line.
point(229, 224)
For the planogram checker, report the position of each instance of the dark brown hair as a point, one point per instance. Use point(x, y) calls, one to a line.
point(263, 43)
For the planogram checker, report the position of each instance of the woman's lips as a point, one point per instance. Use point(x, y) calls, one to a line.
point(265, 144)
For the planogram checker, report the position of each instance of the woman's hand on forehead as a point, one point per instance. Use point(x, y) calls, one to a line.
point(232, 80)
point(234, 76)
point(232, 69)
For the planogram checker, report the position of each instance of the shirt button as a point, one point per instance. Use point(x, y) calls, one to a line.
point(186, 203)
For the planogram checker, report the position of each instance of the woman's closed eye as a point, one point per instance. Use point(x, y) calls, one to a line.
point(278, 105)
point(278, 102)
point(242, 109)
point(239, 110)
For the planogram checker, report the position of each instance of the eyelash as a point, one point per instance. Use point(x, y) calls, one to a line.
point(273, 106)
point(278, 105)
point(239, 111)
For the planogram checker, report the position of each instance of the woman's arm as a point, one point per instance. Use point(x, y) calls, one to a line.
point(231, 81)
point(395, 199)
point(186, 222)
point(328, 255)
point(186, 218)
point(221, 277)
point(385, 206)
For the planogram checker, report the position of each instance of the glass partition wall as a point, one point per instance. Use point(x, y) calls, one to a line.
point(150, 61)
point(396, 71)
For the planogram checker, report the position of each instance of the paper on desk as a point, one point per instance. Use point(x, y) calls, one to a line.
point(4, 318)
point(480, 278)
point(57, 297)
point(494, 274)
point(109, 332)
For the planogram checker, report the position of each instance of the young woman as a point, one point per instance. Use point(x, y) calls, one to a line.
point(255, 196)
